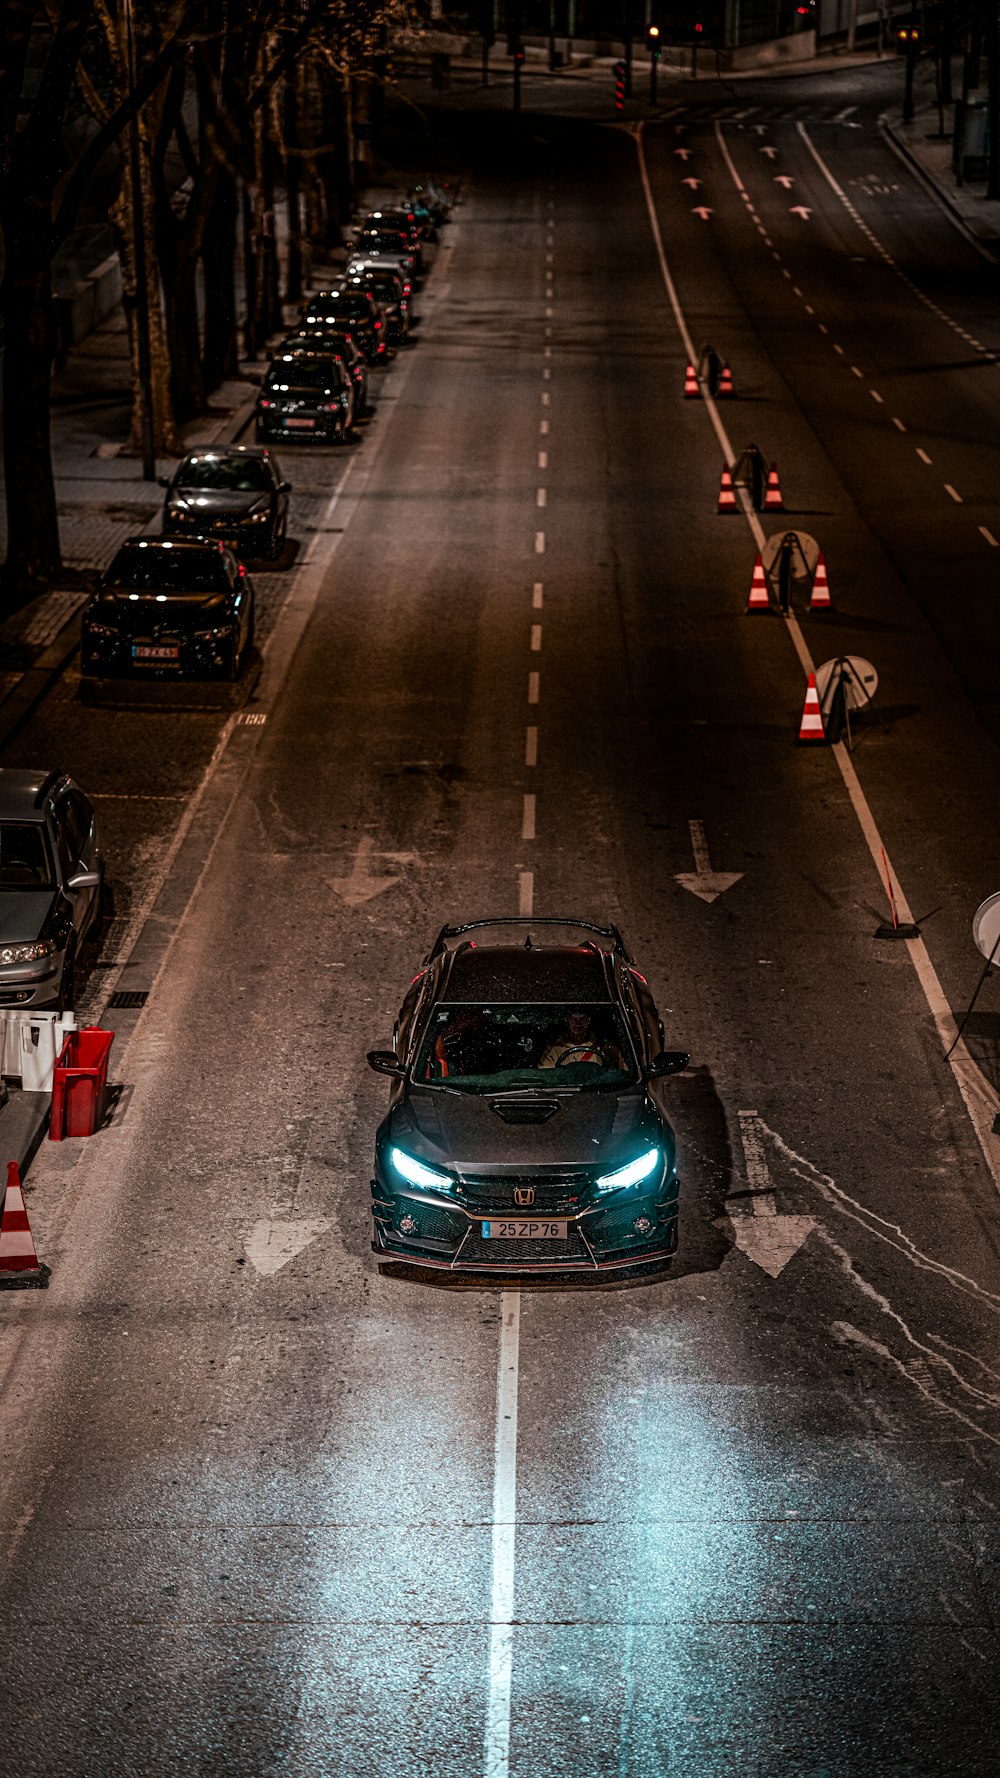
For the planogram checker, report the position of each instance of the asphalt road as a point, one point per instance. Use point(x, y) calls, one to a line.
point(274, 1512)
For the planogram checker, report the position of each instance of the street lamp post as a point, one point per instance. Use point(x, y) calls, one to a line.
point(139, 258)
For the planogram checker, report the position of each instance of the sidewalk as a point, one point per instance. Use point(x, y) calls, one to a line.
point(930, 156)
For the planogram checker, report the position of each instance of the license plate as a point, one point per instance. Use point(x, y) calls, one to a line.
point(309, 423)
point(524, 1231)
point(141, 653)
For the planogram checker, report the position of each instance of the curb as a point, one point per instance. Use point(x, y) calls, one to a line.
point(939, 192)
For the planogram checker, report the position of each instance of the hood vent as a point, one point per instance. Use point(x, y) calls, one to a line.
point(525, 1111)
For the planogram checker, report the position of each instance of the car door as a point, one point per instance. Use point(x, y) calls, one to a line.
point(73, 831)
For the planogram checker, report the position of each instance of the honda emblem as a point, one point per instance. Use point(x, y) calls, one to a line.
point(524, 1194)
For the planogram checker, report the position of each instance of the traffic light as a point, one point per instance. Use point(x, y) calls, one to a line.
point(619, 73)
point(655, 48)
point(908, 38)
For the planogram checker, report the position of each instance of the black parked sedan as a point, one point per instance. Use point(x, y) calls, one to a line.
point(170, 607)
point(386, 286)
point(526, 1130)
point(306, 397)
point(236, 493)
point(338, 342)
point(350, 306)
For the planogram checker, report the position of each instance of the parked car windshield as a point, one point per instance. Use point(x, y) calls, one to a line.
point(24, 856)
point(503, 1048)
point(306, 373)
point(247, 474)
point(168, 571)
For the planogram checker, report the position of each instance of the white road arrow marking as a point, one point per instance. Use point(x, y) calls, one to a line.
point(800, 210)
point(694, 183)
point(701, 211)
point(361, 885)
point(769, 1240)
point(685, 153)
point(783, 179)
point(758, 128)
point(272, 1244)
point(768, 150)
point(705, 882)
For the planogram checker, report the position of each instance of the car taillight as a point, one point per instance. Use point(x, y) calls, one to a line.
point(376, 325)
point(263, 403)
point(241, 570)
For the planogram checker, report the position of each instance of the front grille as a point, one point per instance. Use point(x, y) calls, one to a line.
point(476, 1251)
point(555, 1194)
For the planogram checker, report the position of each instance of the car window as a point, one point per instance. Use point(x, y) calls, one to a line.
point(70, 816)
point(249, 474)
point(323, 374)
point(168, 571)
point(25, 861)
point(503, 1048)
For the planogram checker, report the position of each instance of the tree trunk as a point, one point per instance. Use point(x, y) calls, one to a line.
point(33, 554)
point(293, 185)
point(335, 164)
point(221, 355)
point(187, 388)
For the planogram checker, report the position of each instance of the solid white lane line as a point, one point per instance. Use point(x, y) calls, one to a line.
point(531, 746)
point(541, 497)
point(526, 893)
point(991, 540)
point(536, 595)
point(923, 456)
point(528, 817)
point(956, 496)
point(981, 1099)
point(496, 1749)
point(543, 459)
point(534, 680)
point(539, 543)
point(536, 638)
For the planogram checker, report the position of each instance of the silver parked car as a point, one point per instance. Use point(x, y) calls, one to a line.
point(51, 886)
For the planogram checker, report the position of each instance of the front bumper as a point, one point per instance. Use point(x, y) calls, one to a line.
point(110, 656)
point(27, 986)
point(447, 1236)
point(244, 537)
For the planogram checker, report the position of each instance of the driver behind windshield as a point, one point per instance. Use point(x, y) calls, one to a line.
point(506, 1047)
point(577, 1041)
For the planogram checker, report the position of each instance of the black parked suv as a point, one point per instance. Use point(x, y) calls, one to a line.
point(51, 883)
point(169, 607)
point(350, 306)
point(306, 397)
point(526, 1130)
point(235, 492)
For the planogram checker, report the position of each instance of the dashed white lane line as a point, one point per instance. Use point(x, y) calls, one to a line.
point(991, 540)
point(539, 543)
point(838, 349)
point(496, 1752)
point(795, 290)
point(822, 327)
point(897, 422)
point(809, 309)
point(547, 351)
point(541, 497)
point(543, 428)
point(528, 818)
point(956, 496)
point(543, 459)
point(856, 372)
point(525, 907)
point(877, 397)
point(531, 746)
point(980, 1098)
point(548, 314)
point(923, 456)
point(547, 373)
point(536, 638)
point(546, 398)
point(534, 682)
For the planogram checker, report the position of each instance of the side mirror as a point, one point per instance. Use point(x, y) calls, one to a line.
point(668, 1062)
point(84, 879)
point(163, 480)
point(386, 1062)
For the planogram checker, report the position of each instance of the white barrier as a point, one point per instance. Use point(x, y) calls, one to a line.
point(29, 1045)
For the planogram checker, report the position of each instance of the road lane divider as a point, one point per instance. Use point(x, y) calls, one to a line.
point(980, 1099)
point(496, 1761)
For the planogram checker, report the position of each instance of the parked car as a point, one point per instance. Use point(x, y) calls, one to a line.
point(306, 396)
point(347, 305)
point(170, 607)
point(386, 286)
point(527, 1128)
point(399, 222)
point(236, 492)
point(51, 886)
point(340, 343)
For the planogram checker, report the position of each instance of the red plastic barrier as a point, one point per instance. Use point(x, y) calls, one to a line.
point(80, 1083)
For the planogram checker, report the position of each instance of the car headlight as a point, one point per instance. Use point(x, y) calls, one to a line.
point(32, 953)
point(179, 512)
point(418, 1174)
point(632, 1173)
point(215, 635)
point(95, 629)
point(258, 518)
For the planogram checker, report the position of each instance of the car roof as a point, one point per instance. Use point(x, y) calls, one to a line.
point(559, 974)
point(216, 452)
point(24, 791)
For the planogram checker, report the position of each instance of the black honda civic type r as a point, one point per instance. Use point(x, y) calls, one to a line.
point(525, 1130)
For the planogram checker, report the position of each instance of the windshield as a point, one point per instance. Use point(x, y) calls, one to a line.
point(353, 307)
point(306, 373)
point(504, 1048)
point(248, 474)
point(24, 856)
point(166, 571)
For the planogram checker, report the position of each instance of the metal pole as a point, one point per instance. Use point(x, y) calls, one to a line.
point(141, 279)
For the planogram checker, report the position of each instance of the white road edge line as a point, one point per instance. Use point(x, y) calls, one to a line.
point(979, 1097)
point(496, 1751)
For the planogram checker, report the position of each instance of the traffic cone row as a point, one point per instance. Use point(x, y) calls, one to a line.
point(727, 496)
point(773, 501)
point(725, 383)
point(760, 596)
point(691, 381)
point(819, 598)
point(19, 1265)
point(811, 726)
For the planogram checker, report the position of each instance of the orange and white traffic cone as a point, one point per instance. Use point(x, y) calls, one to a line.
point(691, 386)
point(19, 1267)
point(727, 497)
point(819, 598)
point(725, 383)
point(760, 597)
point(772, 493)
point(811, 727)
